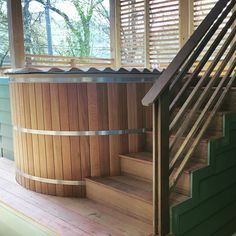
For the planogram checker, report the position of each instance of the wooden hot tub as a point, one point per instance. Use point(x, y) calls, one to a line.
point(68, 126)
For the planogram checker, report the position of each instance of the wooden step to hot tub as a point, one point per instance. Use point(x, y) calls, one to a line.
point(139, 165)
point(130, 195)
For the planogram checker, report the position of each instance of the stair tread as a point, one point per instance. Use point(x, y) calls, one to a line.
point(137, 188)
point(176, 198)
point(218, 113)
point(139, 156)
point(118, 183)
point(147, 158)
point(193, 165)
point(205, 139)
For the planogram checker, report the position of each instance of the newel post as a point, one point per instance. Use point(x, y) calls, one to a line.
point(16, 33)
point(161, 217)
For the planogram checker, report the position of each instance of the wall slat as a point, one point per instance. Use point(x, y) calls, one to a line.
point(64, 125)
point(57, 143)
point(48, 139)
point(41, 138)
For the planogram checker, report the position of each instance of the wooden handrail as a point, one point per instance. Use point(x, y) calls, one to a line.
point(165, 79)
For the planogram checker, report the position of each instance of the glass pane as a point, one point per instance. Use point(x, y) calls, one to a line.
point(67, 28)
point(4, 46)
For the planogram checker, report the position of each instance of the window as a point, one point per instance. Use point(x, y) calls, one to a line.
point(67, 28)
point(4, 46)
point(161, 33)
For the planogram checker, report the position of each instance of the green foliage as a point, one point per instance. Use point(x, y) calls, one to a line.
point(92, 14)
point(78, 30)
point(4, 46)
point(34, 32)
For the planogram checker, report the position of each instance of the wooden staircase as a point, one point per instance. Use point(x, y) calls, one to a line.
point(188, 101)
point(131, 192)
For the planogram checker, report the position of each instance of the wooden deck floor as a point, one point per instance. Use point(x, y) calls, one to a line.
point(66, 216)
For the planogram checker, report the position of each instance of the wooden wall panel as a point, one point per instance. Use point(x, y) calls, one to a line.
point(117, 107)
point(74, 107)
point(64, 124)
point(48, 139)
point(28, 136)
point(93, 125)
point(41, 138)
point(15, 134)
point(35, 146)
point(84, 125)
point(75, 150)
point(57, 144)
point(103, 141)
point(19, 136)
point(135, 115)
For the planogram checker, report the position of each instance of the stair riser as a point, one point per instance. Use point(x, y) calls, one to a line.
point(136, 168)
point(215, 126)
point(200, 153)
point(229, 103)
point(144, 170)
point(184, 184)
point(120, 201)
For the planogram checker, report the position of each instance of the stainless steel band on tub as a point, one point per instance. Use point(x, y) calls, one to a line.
point(79, 133)
point(50, 181)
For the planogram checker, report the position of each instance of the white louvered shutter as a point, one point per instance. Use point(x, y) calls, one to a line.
point(164, 31)
point(201, 9)
point(132, 32)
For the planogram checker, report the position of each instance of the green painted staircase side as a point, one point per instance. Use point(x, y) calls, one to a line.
point(6, 140)
point(212, 208)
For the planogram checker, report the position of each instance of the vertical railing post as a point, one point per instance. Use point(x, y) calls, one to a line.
point(161, 218)
point(115, 32)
